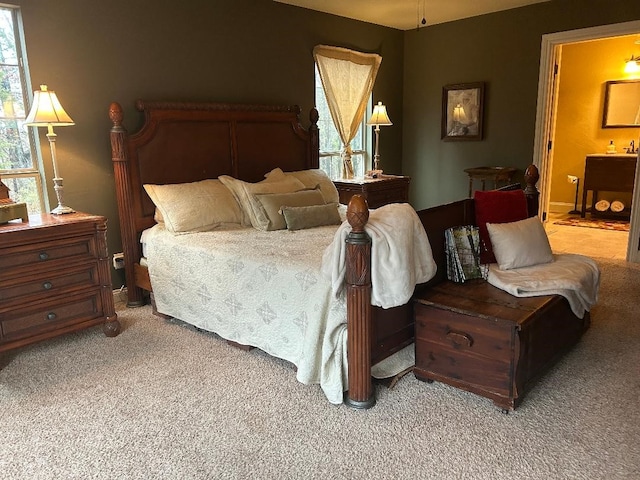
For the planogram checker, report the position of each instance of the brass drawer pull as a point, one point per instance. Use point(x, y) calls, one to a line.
point(47, 285)
point(43, 256)
point(51, 316)
point(460, 338)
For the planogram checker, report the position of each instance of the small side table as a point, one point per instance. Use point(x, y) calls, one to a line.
point(377, 191)
point(495, 174)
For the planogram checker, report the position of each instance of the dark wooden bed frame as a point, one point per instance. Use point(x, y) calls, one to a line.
point(187, 142)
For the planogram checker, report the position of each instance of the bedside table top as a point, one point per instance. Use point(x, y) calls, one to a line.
point(365, 180)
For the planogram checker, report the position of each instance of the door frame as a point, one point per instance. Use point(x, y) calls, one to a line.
point(545, 121)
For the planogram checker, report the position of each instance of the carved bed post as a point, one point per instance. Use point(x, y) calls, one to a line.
point(531, 177)
point(314, 142)
point(123, 191)
point(359, 310)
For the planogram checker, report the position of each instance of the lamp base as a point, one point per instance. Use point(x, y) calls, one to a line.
point(62, 209)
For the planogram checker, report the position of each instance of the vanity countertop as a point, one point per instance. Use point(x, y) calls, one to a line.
point(614, 155)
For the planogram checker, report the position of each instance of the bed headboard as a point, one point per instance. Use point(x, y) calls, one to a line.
point(183, 142)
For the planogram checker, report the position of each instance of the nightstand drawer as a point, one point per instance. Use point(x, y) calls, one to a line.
point(377, 191)
point(36, 255)
point(53, 315)
point(50, 283)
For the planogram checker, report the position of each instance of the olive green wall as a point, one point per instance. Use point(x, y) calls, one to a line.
point(253, 51)
point(503, 50)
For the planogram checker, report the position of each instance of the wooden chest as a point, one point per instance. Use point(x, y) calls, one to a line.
point(481, 339)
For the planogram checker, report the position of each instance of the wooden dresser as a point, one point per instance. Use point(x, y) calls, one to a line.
point(54, 278)
point(377, 191)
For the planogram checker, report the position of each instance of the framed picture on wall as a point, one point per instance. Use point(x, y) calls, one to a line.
point(462, 107)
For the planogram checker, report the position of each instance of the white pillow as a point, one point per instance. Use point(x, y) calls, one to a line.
point(311, 178)
point(194, 207)
point(245, 194)
point(520, 244)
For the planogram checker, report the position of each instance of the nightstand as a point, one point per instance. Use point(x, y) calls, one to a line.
point(377, 191)
point(54, 278)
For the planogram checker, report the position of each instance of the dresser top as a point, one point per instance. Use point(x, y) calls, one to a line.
point(44, 220)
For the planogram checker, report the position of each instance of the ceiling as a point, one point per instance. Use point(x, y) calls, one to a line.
point(408, 14)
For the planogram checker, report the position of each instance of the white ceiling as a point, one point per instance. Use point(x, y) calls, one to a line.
point(407, 14)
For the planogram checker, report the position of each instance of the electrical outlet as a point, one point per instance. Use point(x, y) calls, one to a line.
point(118, 260)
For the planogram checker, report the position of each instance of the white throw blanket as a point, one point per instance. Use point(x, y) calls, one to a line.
point(575, 277)
point(401, 255)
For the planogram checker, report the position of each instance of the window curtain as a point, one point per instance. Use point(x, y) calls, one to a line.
point(347, 79)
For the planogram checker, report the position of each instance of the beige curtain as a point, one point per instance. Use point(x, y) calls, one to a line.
point(347, 79)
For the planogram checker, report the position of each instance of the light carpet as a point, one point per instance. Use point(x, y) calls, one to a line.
point(163, 400)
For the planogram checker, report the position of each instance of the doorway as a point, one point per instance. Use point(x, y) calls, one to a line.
point(548, 93)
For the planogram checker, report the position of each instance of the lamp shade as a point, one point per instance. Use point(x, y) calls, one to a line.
point(379, 116)
point(46, 110)
point(459, 115)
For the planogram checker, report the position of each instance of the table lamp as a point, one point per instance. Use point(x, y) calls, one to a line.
point(46, 111)
point(378, 118)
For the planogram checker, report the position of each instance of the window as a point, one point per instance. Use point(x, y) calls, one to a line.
point(18, 160)
point(331, 145)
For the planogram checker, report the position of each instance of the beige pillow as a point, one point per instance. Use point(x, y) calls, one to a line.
point(311, 178)
point(272, 204)
point(245, 194)
point(298, 218)
point(520, 244)
point(194, 207)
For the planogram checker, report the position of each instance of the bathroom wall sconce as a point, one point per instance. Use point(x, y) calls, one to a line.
point(632, 65)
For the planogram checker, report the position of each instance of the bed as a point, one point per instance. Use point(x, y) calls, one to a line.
point(181, 143)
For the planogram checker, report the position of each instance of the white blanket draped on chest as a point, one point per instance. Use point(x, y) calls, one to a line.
point(575, 277)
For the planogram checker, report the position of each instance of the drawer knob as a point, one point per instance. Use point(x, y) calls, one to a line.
point(43, 256)
point(51, 316)
point(47, 285)
point(460, 338)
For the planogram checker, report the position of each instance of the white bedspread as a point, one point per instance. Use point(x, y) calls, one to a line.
point(245, 286)
point(575, 277)
point(401, 255)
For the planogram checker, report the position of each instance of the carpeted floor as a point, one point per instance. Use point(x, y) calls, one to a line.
point(617, 225)
point(162, 400)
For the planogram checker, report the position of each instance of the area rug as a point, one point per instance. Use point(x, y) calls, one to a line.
point(618, 225)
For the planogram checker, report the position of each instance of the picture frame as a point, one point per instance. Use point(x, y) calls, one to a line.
point(462, 111)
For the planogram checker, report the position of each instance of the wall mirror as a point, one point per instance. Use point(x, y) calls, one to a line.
point(621, 104)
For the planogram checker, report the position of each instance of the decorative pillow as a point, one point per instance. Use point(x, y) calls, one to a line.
point(496, 206)
point(298, 218)
point(194, 207)
point(245, 194)
point(520, 244)
point(272, 203)
point(311, 178)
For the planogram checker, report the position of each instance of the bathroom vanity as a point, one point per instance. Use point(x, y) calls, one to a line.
point(608, 173)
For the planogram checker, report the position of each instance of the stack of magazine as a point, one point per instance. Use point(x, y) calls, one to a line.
point(462, 247)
